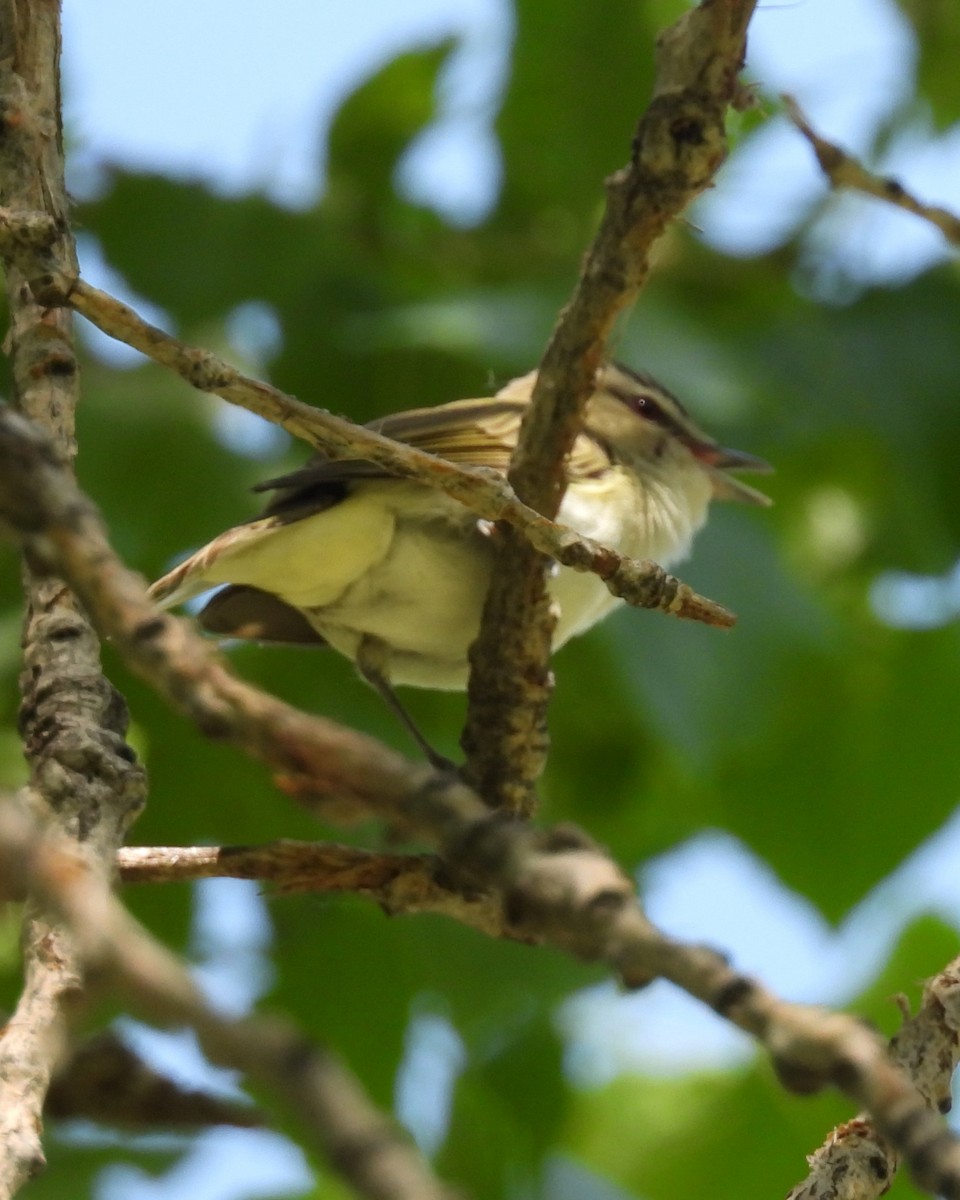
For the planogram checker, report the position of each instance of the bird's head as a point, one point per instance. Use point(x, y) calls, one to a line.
point(646, 427)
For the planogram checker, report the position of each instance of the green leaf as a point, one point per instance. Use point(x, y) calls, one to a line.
point(937, 26)
point(507, 1112)
point(376, 124)
point(356, 978)
point(727, 1135)
point(582, 77)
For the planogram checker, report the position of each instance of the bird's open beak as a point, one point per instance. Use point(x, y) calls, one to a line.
point(713, 455)
point(718, 460)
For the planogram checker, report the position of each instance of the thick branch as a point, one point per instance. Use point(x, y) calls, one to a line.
point(856, 1162)
point(555, 886)
point(678, 146)
point(72, 721)
point(845, 171)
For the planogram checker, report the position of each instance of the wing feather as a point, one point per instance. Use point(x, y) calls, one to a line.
point(476, 433)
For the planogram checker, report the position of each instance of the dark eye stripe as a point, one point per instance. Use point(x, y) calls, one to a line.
point(646, 406)
point(646, 382)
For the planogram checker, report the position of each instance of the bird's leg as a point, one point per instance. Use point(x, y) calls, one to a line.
point(372, 655)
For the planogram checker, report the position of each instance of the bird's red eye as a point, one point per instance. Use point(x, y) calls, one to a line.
point(644, 405)
point(649, 409)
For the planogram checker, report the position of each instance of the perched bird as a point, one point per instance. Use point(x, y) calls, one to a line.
point(393, 574)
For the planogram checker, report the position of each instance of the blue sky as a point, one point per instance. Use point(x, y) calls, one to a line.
point(238, 94)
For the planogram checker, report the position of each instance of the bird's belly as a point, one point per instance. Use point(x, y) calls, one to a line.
point(424, 600)
point(647, 522)
point(582, 600)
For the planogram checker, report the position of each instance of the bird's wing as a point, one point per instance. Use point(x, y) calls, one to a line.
point(464, 431)
point(478, 433)
point(481, 433)
point(474, 433)
point(308, 560)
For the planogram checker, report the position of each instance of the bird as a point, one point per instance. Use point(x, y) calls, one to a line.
point(393, 573)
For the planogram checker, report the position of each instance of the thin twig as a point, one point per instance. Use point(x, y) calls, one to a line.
point(399, 883)
point(846, 171)
point(678, 146)
point(555, 886)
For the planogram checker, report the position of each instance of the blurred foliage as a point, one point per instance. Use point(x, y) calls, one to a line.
point(820, 737)
point(739, 1118)
point(937, 23)
point(80, 1164)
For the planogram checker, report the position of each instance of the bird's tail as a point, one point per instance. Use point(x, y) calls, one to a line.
point(205, 569)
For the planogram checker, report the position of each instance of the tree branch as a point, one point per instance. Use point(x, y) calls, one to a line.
point(555, 886)
point(400, 883)
point(678, 146)
point(103, 1080)
point(843, 170)
point(368, 1150)
point(72, 721)
point(856, 1162)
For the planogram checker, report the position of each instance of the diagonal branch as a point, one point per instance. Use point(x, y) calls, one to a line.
point(678, 146)
point(856, 1162)
point(555, 885)
point(843, 170)
point(105, 1081)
